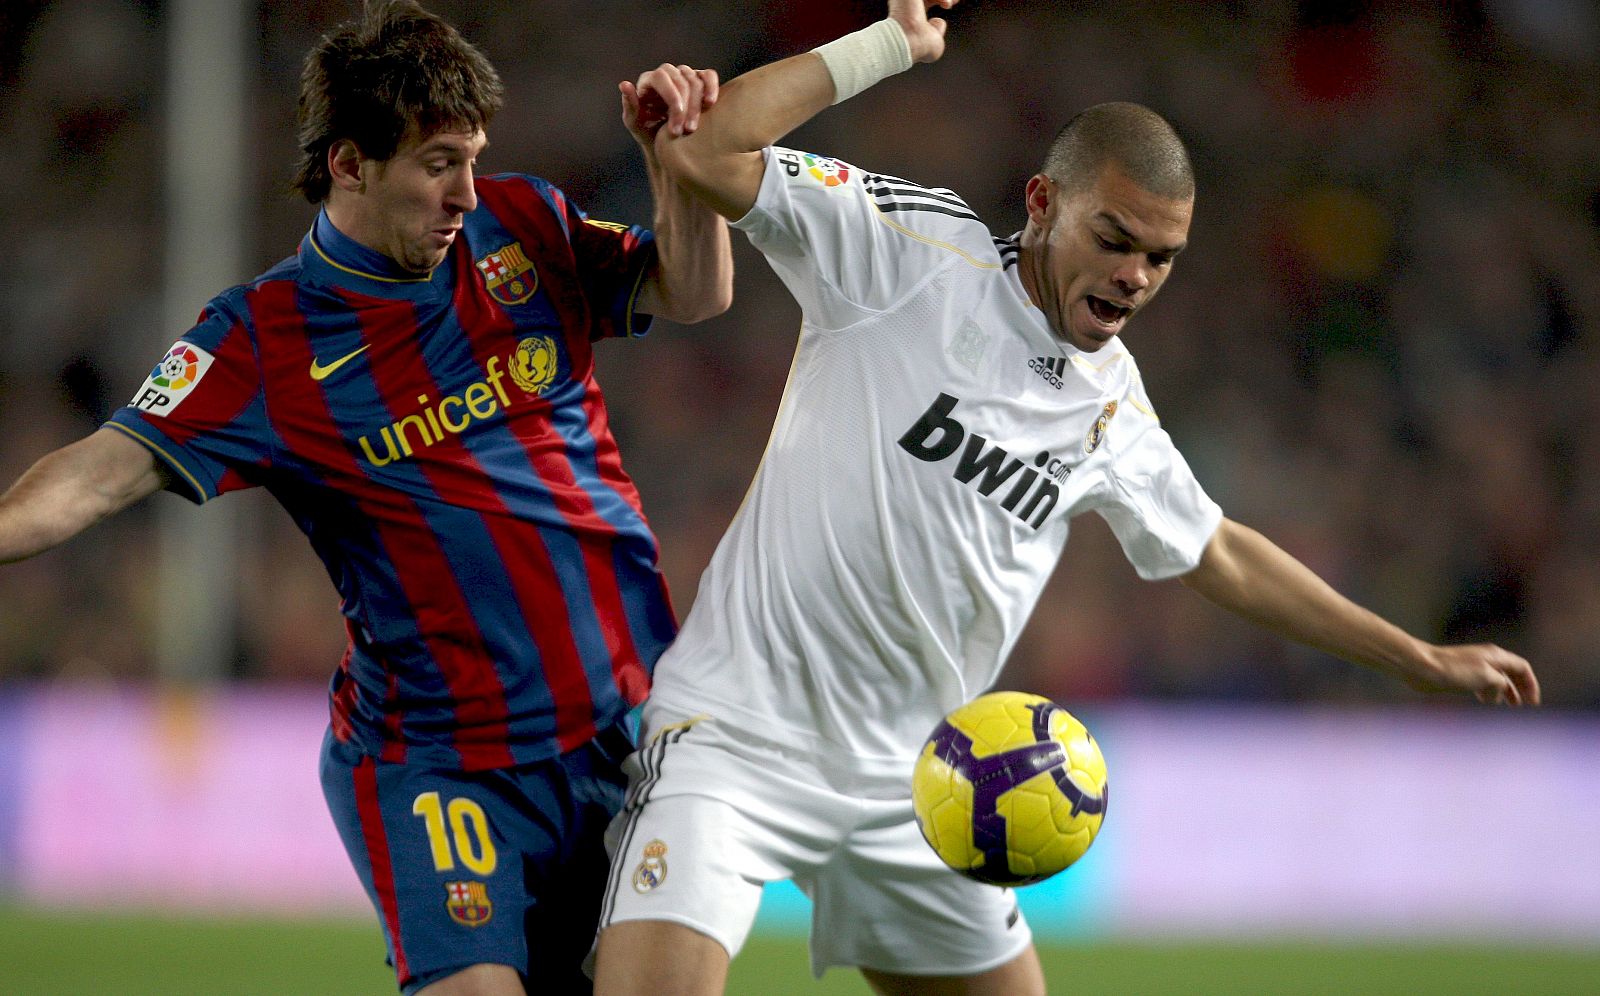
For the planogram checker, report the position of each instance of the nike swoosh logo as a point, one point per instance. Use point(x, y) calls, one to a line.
point(318, 371)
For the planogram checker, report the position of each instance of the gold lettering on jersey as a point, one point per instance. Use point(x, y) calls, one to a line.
point(434, 421)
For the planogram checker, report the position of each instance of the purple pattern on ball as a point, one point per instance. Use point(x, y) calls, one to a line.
point(996, 774)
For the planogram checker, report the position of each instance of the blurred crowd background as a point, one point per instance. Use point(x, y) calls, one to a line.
point(1382, 347)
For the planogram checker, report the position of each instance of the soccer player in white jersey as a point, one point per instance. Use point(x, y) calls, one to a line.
point(955, 400)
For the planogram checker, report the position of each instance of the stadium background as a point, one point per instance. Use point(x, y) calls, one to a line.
point(1380, 349)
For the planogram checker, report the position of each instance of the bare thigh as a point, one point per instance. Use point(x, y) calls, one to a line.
point(1021, 976)
point(650, 957)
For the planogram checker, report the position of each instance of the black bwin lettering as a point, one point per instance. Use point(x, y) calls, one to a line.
point(936, 436)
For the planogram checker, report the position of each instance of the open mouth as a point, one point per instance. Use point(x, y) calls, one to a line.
point(1106, 313)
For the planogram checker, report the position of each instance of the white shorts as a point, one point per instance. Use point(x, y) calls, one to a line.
point(714, 812)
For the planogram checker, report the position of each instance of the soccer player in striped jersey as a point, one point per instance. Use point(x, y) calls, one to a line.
point(954, 401)
point(416, 386)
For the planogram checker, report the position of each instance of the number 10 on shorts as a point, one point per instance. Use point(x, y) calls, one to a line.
point(469, 829)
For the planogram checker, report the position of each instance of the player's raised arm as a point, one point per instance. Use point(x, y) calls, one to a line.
point(69, 490)
point(693, 275)
point(720, 160)
point(1248, 574)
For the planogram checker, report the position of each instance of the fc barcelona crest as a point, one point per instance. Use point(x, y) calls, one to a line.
point(468, 903)
point(508, 275)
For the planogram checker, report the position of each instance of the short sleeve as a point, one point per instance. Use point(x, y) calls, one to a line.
point(201, 412)
point(613, 259)
point(849, 243)
point(1160, 514)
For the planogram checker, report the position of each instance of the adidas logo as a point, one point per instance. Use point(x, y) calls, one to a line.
point(1050, 368)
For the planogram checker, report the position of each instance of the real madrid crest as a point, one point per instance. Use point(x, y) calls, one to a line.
point(1097, 434)
point(652, 871)
point(508, 274)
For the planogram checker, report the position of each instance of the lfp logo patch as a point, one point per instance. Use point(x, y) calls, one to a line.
point(828, 172)
point(172, 379)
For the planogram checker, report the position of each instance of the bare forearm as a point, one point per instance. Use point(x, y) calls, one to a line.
point(70, 490)
point(1248, 574)
point(694, 261)
point(1251, 576)
point(720, 162)
point(763, 105)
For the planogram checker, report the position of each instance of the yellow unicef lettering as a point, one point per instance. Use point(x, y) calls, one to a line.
point(444, 416)
point(422, 433)
point(430, 422)
point(480, 400)
point(494, 378)
point(433, 420)
point(388, 441)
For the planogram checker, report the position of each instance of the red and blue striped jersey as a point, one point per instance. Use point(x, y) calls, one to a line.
point(442, 442)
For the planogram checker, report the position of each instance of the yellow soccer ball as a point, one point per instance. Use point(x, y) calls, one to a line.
point(1010, 789)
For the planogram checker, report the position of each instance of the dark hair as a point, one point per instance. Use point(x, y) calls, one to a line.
point(1136, 139)
point(397, 70)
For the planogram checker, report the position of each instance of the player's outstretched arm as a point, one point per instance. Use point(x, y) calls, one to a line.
point(1248, 574)
point(71, 489)
point(693, 275)
point(720, 160)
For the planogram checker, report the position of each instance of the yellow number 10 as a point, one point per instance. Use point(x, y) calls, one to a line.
point(474, 847)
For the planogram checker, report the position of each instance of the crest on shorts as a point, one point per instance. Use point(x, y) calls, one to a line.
point(1097, 434)
point(508, 274)
point(652, 871)
point(468, 903)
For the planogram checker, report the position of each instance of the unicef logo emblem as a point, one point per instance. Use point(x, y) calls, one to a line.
point(533, 366)
point(652, 871)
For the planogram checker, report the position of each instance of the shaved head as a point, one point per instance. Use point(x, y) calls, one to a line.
point(1135, 139)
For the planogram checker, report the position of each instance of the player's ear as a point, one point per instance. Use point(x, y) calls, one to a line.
point(1040, 197)
point(345, 164)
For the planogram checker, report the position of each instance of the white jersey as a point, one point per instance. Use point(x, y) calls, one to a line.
point(934, 439)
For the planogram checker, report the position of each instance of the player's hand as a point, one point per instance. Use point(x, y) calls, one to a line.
point(925, 34)
point(1495, 676)
point(670, 97)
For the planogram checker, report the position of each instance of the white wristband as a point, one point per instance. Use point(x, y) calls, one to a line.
point(862, 58)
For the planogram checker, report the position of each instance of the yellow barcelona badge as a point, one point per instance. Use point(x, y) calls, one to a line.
point(508, 274)
point(468, 903)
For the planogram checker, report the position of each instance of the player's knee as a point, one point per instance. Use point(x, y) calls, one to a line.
point(1021, 976)
point(647, 957)
point(478, 980)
